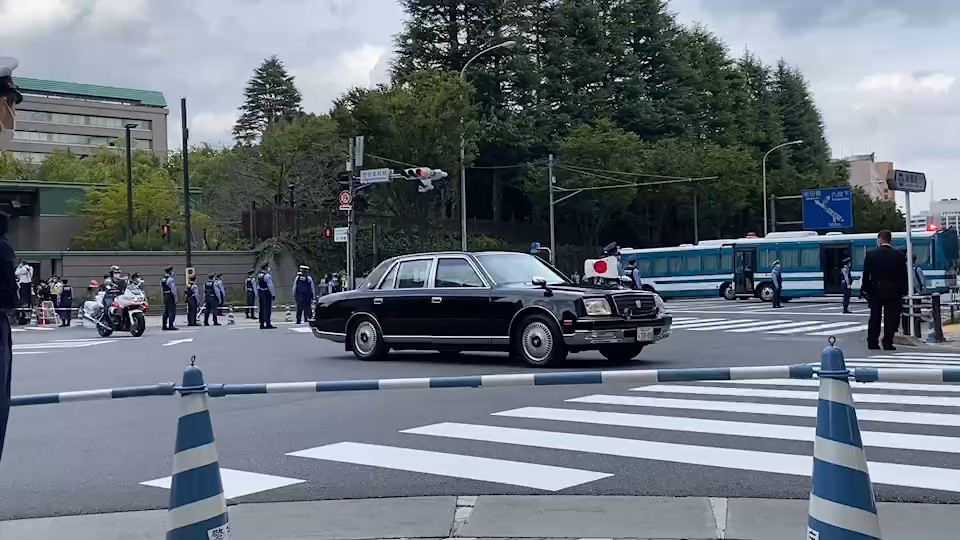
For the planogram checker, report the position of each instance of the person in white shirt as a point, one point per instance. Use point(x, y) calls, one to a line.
point(24, 274)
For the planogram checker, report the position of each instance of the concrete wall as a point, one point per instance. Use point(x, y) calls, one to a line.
point(80, 267)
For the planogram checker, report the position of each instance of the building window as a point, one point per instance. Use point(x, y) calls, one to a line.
point(78, 140)
point(81, 120)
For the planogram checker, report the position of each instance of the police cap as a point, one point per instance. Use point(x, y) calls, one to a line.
point(264, 266)
point(167, 270)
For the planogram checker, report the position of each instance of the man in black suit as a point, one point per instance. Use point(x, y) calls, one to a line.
point(885, 283)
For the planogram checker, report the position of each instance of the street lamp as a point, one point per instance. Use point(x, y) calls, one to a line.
point(764, 166)
point(463, 153)
point(128, 127)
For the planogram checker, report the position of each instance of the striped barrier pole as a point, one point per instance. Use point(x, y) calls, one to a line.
point(198, 509)
point(162, 389)
point(907, 375)
point(641, 376)
point(288, 317)
point(842, 504)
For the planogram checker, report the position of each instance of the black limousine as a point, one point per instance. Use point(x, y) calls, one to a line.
point(500, 301)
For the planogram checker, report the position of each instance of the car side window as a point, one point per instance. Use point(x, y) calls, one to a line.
point(456, 273)
point(390, 279)
point(413, 274)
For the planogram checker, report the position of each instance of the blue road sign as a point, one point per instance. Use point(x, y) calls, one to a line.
point(827, 208)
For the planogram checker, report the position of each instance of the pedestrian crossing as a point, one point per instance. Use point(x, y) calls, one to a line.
point(820, 307)
point(782, 327)
point(33, 329)
point(740, 425)
point(23, 349)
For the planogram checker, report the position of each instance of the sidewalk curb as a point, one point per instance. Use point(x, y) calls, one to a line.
point(498, 517)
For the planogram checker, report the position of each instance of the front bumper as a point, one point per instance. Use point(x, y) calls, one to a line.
point(336, 337)
point(592, 332)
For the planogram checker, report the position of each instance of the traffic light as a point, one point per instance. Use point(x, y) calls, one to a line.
point(328, 232)
point(425, 176)
point(165, 231)
point(933, 227)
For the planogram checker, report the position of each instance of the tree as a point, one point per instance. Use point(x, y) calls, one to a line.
point(10, 167)
point(270, 96)
point(801, 120)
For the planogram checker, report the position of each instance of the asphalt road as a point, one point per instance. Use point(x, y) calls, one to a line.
point(612, 439)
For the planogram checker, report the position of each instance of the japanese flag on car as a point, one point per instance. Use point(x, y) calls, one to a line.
point(601, 268)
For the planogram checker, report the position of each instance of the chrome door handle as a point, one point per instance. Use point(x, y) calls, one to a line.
point(436, 300)
point(377, 301)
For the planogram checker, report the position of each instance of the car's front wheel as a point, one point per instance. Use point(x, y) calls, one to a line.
point(621, 353)
point(539, 343)
point(366, 341)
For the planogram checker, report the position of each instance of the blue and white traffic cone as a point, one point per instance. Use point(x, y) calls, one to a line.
point(198, 509)
point(842, 505)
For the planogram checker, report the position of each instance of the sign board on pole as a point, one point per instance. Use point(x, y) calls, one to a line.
point(375, 176)
point(346, 201)
point(911, 182)
point(340, 234)
point(827, 208)
point(358, 152)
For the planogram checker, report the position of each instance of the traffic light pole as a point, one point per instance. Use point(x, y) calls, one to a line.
point(553, 229)
point(187, 230)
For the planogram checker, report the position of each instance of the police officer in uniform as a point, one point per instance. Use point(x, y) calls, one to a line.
point(846, 281)
point(212, 300)
point(303, 292)
point(9, 98)
point(193, 302)
point(777, 277)
point(221, 292)
point(66, 302)
point(251, 302)
point(267, 295)
point(169, 287)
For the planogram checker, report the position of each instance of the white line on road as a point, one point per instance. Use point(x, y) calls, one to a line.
point(856, 386)
point(878, 439)
point(697, 322)
point(938, 401)
point(858, 328)
point(774, 326)
point(515, 473)
point(875, 364)
point(920, 361)
point(738, 325)
point(21, 346)
point(17, 353)
point(840, 324)
point(771, 311)
point(238, 483)
point(728, 458)
point(177, 342)
point(871, 415)
point(302, 330)
point(935, 355)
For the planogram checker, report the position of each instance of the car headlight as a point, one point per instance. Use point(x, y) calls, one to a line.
point(596, 306)
point(661, 305)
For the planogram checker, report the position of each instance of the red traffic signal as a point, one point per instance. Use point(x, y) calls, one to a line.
point(933, 227)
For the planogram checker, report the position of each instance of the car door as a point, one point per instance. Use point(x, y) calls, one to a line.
point(402, 302)
point(459, 303)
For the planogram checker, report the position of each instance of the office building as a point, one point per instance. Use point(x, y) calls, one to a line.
point(870, 175)
point(920, 219)
point(945, 213)
point(83, 118)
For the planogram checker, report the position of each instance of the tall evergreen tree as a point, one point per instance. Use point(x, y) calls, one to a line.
point(270, 96)
point(801, 120)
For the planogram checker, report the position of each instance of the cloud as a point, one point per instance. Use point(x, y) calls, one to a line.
point(213, 127)
point(322, 80)
point(802, 15)
point(913, 83)
point(23, 18)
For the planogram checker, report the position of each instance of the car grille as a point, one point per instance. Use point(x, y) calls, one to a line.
point(635, 306)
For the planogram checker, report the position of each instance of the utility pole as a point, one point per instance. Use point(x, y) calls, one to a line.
point(356, 161)
point(553, 232)
point(696, 221)
point(188, 231)
point(129, 186)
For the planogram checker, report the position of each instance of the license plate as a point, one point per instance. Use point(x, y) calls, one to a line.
point(645, 334)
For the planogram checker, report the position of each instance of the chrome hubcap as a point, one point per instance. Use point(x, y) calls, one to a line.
point(766, 294)
point(537, 341)
point(365, 338)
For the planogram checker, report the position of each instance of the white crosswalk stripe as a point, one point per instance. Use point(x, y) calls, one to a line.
point(773, 327)
point(750, 425)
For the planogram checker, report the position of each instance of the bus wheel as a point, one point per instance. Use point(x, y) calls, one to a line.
point(766, 292)
point(729, 293)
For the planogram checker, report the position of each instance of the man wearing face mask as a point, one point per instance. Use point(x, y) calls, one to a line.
point(9, 98)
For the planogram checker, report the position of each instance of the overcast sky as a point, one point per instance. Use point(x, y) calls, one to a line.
point(884, 72)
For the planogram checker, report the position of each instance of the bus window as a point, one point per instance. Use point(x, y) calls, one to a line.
point(644, 266)
point(810, 257)
point(660, 266)
point(790, 257)
point(675, 264)
point(693, 263)
point(726, 262)
point(765, 258)
point(859, 254)
point(710, 262)
point(921, 252)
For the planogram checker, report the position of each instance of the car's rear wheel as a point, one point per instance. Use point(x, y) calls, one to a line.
point(621, 353)
point(538, 342)
point(366, 341)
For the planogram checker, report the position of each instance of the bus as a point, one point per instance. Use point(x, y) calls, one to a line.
point(810, 264)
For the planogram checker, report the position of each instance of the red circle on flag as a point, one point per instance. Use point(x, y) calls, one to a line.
point(600, 267)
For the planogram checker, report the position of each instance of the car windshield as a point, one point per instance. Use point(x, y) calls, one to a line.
point(374, 277)
point(511, 268)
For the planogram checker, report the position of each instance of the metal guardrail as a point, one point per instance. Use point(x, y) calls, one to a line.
point(920, 308)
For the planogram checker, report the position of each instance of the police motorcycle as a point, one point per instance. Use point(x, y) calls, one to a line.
point(125, 312)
